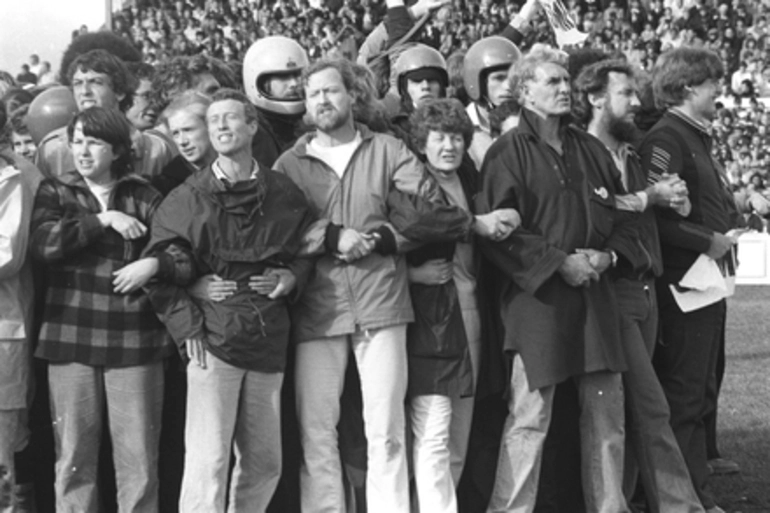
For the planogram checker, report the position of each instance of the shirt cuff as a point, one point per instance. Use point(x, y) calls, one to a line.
point(644, 199)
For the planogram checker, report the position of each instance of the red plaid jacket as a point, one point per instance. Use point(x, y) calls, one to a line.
point(84, 321)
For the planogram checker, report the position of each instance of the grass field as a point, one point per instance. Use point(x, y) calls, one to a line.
point(744, 404)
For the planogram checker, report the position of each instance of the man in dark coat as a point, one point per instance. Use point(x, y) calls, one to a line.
point(686, 81)
point(557, 305)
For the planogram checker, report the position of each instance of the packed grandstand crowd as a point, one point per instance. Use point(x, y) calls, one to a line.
point(640, 31)
point(167, 59)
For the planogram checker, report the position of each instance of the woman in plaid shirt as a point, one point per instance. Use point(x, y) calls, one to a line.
point(100, 335)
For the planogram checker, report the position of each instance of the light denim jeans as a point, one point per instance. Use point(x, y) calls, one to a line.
point(133, 397)
point(229, 408)
point(652, 451)
point(320, 371)
point(441, 426)
point(601, 439)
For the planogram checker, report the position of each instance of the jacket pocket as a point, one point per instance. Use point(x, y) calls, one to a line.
point(438, 330)
point(245, 322)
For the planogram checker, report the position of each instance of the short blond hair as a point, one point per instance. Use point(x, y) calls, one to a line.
point(523, 70)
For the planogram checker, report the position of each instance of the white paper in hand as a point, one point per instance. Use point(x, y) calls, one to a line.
point(705, 283)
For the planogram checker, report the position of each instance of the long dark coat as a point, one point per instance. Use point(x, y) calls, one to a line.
point(566, 202)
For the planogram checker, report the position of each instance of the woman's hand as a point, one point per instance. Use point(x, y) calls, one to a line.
point(134, 275)
point(432, 272)
point(128, 227)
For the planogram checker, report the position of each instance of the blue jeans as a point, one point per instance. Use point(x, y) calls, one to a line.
point(229, 408)
point(134, 400)
point(651, 446)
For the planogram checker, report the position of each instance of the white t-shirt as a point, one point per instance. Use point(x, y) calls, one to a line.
point(336, 157)
point(102, 193)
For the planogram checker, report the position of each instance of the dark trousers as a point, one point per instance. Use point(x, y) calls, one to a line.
point(685, 363)
point(712, 396)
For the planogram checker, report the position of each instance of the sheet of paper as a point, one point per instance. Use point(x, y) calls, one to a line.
point(705, 283)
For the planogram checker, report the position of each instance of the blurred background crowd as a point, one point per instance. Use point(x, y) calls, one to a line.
point(738, 30)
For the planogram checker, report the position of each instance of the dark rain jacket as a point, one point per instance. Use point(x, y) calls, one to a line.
point(566, 202)
point(676, 145)
point(234, 231)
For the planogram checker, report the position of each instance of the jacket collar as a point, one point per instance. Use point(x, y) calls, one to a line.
point(479, 122)
point(239, 198)
point(73, 178)
point(530, 124)
point(300, 147)
point(678, 114)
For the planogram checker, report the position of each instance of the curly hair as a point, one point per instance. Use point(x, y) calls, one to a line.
point(109, 126)
point(440, 115)
point(183, 73)
point(680, 68)
point(141, 70)
point(594, 80)
point(102, 61)
point(102, 40)
point(367, 108)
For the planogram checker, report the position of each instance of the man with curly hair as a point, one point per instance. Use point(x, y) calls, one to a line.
point(99, 78)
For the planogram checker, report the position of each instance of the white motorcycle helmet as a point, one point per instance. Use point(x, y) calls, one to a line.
point(273, 55)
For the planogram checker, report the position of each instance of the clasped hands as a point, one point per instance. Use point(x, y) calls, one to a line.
point(584, 266)
point(496, 225)
point(670, 191)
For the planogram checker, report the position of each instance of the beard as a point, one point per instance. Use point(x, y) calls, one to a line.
point(329, 119)
point(622, 130)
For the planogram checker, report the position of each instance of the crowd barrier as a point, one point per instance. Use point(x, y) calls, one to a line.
point(753, 259)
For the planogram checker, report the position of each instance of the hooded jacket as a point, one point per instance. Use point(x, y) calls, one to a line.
point(235, 231)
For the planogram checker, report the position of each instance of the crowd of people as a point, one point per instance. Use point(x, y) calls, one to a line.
point(639, 30)
point(294, 256)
